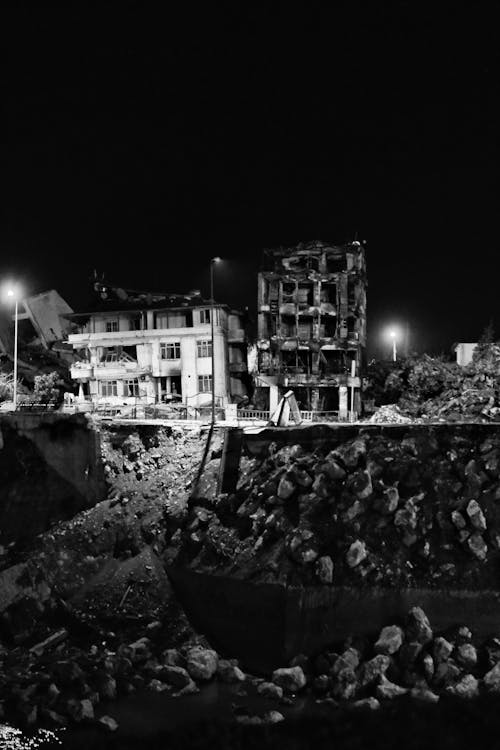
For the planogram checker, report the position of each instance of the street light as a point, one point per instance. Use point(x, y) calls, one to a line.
point(213, 262)
point(393, 336)
point(13, 293)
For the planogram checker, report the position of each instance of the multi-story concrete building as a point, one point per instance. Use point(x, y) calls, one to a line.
point(312, 326)
point(150, 348)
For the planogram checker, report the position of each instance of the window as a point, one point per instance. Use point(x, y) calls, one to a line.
point(205, 383)
point(109, 355)
point(131, 387)
point(204, 348)
point(204, 316)
point(108, 387)
point(111, 326)
point(170, 351)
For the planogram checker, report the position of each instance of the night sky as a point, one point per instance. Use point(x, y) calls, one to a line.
point(142, 143)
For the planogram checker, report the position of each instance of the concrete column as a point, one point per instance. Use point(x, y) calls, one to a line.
point(343, 405)
point(273, 398)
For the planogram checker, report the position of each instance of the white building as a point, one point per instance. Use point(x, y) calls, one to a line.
point(145, 348)
point(464, 353)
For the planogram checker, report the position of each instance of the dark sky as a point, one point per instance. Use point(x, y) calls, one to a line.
point(143, 143)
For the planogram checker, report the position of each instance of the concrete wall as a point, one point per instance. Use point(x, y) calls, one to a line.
point(50, 469)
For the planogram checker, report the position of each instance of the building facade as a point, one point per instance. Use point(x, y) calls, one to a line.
point(312, 326)
point(144, 348)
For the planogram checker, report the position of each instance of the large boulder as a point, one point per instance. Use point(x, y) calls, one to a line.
point(389, 640)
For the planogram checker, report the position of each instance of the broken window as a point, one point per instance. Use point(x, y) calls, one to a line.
point(313, 263)
point(328, 294)
point(335, 264)
point(135, 323)
point(305, 295)
point(131, 387)
point(332, 362)
point(112, 326)
point(204, 348)
point(170, 350)
point(108, 387)
point(327, 327)
point(205, 383)
point(305, 329)
point(109, 354)
point(288, 325)
point(288, 292)
point(204, 316)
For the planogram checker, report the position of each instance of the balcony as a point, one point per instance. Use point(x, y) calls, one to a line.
point(236, 367)
point(81, 370)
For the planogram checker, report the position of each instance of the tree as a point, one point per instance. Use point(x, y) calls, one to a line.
point(46, 390)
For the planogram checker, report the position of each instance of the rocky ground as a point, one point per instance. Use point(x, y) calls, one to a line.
point(419, 508)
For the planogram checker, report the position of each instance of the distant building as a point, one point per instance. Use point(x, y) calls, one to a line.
point(464, 353)
point(312, 325)
point(42, 319)
point(151, 348)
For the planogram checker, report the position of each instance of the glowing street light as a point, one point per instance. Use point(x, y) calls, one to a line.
point(393, 335)
point(13, 293)
point(213, 262)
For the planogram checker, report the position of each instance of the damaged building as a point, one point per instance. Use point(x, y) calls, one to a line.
point(147, 348)
point(312, 327)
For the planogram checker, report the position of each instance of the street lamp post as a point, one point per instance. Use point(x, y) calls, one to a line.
point(11, 293)
point(213, 261)
point(394, 351)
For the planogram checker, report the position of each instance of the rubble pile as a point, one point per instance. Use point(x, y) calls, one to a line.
point(432, 389)
point(406, 659)
point(417, 508)
point(57, 684)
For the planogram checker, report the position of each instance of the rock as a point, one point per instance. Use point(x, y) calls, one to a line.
point(389, 640)
point(140, 649)
point(324, 569)
point(345, 684)
point(476, 515)
point(491, 679)
point(286, 487)
point(229, 672)
point(356, 553)
point(107, 723)
point(466, 655)
point(321, 486)
point(441, 649)
point(349, 659)
point(177, 677)
point(387, 690)
point(333, 469)
point(370, 703)
point(374, 668)
point(360, 484)
point(270, 690)
point(424, 694)
point(201, 663)
point(467, 687)
point(291, 679)
point(406, 517)
point(428, 667)
point(273, 717)
point(458, 520)
point(478, 546)
point(447, 673)
point(418, 627)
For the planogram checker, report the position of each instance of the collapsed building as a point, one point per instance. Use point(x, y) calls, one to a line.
point(42, 320)
point(137, 347)
point(312, 327)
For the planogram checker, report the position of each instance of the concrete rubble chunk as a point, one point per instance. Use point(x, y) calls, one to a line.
point(270, 690)
point(466, 655)
point(441, 649)
point(476, 515)
point(291, 679)
point(373, 669)
point(387, 690)
point(491, 679)
point(286, 487)
point(389, 640)
point(324, 569)
point(107, 723)
point(356, 553)
point(371, 703)
point(201, 663)
point(229, 672)
point(349, 659)
point(418, 627)
point(345, 684)
point(177, 677)
point(458, 520)
point(424, 694)
point(478, 546)
point(467, 687)
point(273, 717)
